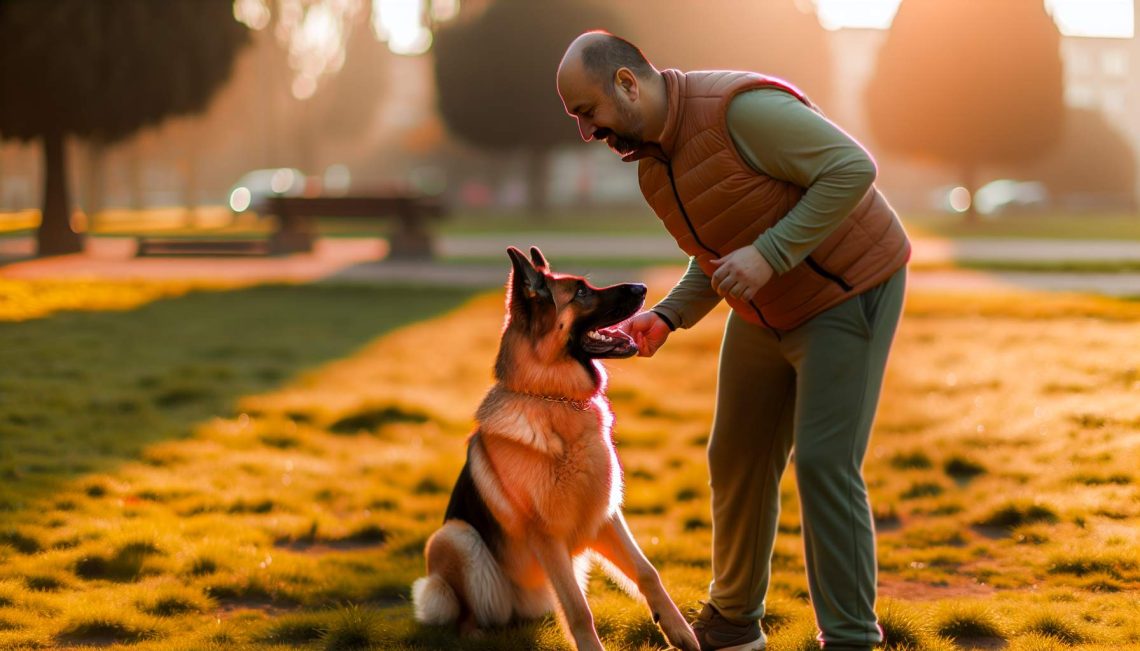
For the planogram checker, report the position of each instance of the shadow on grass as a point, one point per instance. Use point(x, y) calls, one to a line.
point(81, 392)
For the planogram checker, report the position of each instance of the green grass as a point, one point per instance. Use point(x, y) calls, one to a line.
point(200, 468)
point(1063, 226)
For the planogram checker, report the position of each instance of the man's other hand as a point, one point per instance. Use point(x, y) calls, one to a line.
point(649, 332)
point(741, 274)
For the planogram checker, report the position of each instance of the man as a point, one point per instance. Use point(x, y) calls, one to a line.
point(777, 209)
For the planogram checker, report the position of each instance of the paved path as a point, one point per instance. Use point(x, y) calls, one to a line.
point(359, 260)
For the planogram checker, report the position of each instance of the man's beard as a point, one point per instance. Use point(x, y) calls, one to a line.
point(624, 142)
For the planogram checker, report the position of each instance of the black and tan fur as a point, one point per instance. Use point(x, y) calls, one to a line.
point(539, 497)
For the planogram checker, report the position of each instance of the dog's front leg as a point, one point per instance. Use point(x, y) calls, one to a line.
point(616, 544)
point(556, 562)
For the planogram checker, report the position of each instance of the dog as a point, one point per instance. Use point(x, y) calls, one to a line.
point(539, 497)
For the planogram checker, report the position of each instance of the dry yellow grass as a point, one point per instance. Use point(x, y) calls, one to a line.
point(1002, 469)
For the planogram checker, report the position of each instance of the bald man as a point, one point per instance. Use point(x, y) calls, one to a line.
point(777, 209)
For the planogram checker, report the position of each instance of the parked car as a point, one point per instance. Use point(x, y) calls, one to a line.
point(254, 187)
point(1006, 196)
point(998, 197)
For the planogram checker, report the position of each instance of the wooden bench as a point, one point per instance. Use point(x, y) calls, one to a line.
point(175, 246)
point(295, 227)
point(410, 237)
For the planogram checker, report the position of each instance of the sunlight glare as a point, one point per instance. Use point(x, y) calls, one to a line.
point(240, 199)
point(315, 33)
point(400, 23)
point(864, 14)
point(444, 10)
point(1102, 18)
point(252, 13)
point(1092, 18)
point(960, 199)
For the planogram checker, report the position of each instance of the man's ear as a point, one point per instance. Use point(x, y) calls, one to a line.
point(626, 82)
point(525, 279)
point(537, 258)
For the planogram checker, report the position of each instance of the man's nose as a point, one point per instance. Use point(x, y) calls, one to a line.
point(586, 129)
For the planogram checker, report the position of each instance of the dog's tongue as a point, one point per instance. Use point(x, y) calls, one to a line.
point(613, 333)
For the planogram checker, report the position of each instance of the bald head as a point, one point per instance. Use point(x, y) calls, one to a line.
point(616, 95)
point(600, 55)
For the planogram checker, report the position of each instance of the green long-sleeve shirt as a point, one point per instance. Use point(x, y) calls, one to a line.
point(781, 137)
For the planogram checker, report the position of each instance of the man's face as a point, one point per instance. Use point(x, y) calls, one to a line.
point(610, 116)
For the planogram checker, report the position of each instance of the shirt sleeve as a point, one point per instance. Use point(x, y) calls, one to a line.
point(781, 137)
point(690, 299)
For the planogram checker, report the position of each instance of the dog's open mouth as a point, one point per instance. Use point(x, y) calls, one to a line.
point(608, 342)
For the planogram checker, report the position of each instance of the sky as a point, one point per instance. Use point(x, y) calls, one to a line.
point(1099, 18)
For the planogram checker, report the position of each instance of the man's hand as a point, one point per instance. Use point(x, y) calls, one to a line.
point(649, 332)
point(741, 274)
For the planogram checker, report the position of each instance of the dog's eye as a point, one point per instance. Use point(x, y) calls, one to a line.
point(582, 292)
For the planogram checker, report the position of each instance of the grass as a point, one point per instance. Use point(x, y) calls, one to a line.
point(1061, 226)
point(196, 467)
point(633, 219)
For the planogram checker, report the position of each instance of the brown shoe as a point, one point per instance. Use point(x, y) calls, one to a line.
point(715, 633)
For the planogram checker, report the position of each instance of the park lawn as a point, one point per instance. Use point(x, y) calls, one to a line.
point(1046, 225)
point(259, 468)
point(635, 219)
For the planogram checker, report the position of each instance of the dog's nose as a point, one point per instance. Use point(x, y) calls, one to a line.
point(637, 289)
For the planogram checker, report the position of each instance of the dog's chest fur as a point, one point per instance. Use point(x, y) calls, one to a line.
point(554, 465)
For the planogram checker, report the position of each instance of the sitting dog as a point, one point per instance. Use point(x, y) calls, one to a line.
point(539, 497)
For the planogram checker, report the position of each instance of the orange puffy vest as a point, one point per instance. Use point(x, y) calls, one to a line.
point(713, 202)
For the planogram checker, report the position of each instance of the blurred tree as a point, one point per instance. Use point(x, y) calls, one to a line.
point(1092, 166)
point(103, 69)
point(495, 75)
point(350, 98)
point(968, 83)
point(774, 37)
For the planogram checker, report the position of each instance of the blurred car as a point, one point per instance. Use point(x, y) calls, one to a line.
point(998, 197)
point(255, 186)
point(1006, 196)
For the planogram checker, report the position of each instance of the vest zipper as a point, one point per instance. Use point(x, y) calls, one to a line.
point(689, 223)
point(838, 280)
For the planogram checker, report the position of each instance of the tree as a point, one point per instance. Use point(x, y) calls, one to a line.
point(968, 83)
point(102, 69)
point(774, 37)
point(1093, 165)
point(495, 73)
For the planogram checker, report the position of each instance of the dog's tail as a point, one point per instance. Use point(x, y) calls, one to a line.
point(434, 600)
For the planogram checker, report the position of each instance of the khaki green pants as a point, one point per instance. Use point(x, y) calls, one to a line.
point(813, 390)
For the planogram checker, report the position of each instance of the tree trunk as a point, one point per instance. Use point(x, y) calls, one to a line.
point(93, 189)
point(970, 182)
point(537, 180)
point(55, 235)
point(188, 167)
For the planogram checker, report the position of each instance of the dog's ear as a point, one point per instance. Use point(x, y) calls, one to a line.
point(526, 281)
point(538, 259)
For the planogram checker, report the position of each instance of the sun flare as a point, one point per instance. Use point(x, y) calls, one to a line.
point(1091, 18)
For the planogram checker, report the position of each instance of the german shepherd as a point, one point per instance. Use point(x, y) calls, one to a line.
point(540, 496)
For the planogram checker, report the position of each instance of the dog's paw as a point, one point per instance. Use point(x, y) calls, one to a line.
point(678, 632)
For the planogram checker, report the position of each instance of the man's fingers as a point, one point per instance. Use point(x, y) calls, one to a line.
point(722, 276)
point(728, 286)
